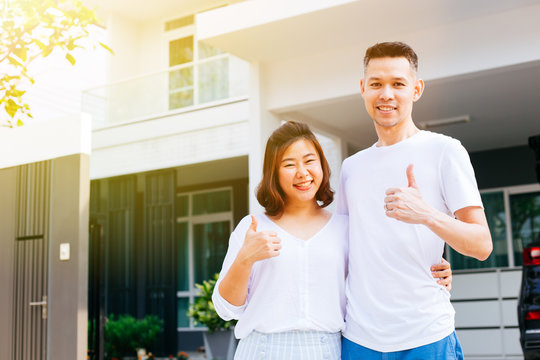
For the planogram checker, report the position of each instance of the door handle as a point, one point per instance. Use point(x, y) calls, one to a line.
point(43, 305)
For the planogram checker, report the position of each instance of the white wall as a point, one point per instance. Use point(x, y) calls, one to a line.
point(45, 140)
point(178, 139)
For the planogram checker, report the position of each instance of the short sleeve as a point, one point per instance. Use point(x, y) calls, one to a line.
point(457, 177)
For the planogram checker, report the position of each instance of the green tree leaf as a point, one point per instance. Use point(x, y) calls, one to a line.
point(31, 29)
point(70, 58)
point(106, 47)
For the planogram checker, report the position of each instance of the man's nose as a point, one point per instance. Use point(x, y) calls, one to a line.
point(387, 93)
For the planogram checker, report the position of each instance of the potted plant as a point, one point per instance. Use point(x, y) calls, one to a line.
point(219, 341)
point(124, 334)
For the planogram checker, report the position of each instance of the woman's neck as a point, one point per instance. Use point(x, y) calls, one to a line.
point(301, 210)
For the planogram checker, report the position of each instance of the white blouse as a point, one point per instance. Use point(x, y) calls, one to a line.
point(301, 289)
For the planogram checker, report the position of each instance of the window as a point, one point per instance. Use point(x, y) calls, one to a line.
point(496, 217)
point(518, 206)
point(203, 226)
point(199, 72)
point(525, 212)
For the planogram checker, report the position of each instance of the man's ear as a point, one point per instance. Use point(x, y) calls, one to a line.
point(362, 86)
point(418, 89)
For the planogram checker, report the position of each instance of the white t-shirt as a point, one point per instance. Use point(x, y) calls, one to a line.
point(301, 289)
point(393, 302)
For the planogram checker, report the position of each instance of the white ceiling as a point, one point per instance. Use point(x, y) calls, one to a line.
point(503, 105)
point(143, 10)
point(360, 23)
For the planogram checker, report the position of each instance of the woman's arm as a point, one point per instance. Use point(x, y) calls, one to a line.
point(257, 246)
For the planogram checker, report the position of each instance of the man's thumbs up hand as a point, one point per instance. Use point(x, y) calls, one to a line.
point(410, 177)
point(406, 204)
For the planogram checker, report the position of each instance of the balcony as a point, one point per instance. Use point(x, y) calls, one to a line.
point(187, 87)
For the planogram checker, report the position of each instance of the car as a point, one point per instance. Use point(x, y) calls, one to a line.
point(529, 302)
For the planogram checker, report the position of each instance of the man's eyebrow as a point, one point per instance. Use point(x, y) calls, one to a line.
point(398, 78)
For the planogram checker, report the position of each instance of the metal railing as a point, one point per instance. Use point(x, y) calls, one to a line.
point(179, 88)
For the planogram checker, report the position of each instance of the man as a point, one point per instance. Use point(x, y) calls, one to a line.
point(406, 196)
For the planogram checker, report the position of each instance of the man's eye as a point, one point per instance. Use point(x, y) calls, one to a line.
point(375, 84)
point(399, 84)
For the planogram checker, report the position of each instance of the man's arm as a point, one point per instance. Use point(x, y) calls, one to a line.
point(467, 233)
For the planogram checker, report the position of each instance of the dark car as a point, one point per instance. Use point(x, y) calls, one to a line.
point(529, 302)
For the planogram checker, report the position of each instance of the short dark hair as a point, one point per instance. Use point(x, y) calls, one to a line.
point(269, 192)
point(391, 49)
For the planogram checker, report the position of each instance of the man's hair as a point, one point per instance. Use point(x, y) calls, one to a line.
point(269, 193)
point(391, 49)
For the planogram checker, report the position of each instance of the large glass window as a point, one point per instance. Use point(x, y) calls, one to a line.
point(496, 217)
point(211, 241)
point(525, 213)
point(181, 80)
point(199, 72)
point(204, 224)
point(513, 215)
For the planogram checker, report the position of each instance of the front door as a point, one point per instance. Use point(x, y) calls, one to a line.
point(31, 262)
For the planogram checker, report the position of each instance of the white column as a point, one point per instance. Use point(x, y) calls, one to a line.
point(262, 123)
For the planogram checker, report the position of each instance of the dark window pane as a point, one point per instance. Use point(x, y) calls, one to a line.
point(210, 246)
point(212, 202)
point(494, 209)
point(182, 318)
point(525, 213)
point(182, 206)
point(182, 257)
point(181, 51)
point(180, 22)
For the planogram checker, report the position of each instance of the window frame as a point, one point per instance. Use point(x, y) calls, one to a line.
point(192, 220)
point(507, 192)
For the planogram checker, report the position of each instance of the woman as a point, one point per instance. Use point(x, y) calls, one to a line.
point(284, 273)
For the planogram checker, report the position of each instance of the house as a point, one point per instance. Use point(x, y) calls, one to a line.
point(196, 86)
point(177, 147)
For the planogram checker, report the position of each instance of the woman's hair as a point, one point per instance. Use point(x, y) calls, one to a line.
point(269, 192)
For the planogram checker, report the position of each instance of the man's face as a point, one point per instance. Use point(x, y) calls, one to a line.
point(389, 89)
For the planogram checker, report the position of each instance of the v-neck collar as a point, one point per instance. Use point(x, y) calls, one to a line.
point(296, 237)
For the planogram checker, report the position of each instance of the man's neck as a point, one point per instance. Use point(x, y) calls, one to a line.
point(392, 135)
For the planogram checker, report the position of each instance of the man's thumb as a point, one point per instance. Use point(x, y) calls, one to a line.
point(410, 177)
point(253, 226)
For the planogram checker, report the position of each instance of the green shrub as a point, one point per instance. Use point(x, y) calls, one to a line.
point(203, 311)
point(124, 334)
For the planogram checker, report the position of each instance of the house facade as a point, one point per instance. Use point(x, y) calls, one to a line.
point(196, 87)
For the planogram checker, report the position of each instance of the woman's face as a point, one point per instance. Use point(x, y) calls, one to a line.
point(300, 173)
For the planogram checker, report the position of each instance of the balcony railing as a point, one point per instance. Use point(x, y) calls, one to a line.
point(210, 81)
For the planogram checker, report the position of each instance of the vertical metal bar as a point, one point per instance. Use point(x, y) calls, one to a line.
point(508, 217)
point(32, 271)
